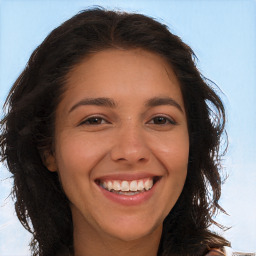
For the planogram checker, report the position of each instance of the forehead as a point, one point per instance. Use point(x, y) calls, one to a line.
point(121, 62)
point(122, 72)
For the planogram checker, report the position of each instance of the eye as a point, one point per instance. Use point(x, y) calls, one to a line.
point(162, 120)
point(94, 120)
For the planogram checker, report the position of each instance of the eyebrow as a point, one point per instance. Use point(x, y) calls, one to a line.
point(104, 102)
point(108, 102)
point(159, 101)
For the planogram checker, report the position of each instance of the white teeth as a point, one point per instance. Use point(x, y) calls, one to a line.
point(148, 184)
point(140, 185)
point(116, 185)
point(104, 184)
point(133, 185)
point(128, 186)
point(125, 186)
point(129, 193)
point(109, 185)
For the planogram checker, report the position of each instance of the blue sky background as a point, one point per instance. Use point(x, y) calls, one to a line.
point(222, 33)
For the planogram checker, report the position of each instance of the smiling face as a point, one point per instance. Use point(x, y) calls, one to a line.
point(121, 145)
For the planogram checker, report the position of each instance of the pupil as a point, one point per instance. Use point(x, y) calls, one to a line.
point(96, 120)
point(160, 120)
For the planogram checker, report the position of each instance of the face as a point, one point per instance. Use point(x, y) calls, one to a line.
point(121, 146)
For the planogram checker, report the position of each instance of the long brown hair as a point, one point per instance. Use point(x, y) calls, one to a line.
point(27, 130)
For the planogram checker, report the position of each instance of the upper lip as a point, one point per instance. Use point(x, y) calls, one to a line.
point(127, 176)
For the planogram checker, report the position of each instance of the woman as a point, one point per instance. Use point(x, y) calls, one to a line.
point(112, 136)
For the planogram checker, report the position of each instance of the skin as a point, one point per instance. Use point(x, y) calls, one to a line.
point(127, 138)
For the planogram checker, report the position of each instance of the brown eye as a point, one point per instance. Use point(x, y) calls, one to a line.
point(161, 120)
point(94, 121)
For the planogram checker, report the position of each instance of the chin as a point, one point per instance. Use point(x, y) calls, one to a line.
point(134, 231)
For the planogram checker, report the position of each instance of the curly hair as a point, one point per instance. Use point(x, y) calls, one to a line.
point(27, 130)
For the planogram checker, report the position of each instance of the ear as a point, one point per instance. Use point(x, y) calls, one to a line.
point(49, 161)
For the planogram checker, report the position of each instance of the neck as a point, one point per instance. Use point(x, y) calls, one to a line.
point(88, 242)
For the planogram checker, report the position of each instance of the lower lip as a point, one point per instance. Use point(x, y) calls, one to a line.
point(129, 200)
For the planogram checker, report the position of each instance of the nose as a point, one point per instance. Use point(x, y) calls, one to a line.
point(130, 146)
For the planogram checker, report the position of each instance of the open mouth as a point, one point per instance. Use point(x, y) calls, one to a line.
point(128, 187)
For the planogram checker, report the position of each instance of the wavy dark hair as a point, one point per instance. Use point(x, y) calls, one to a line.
point(27, 130)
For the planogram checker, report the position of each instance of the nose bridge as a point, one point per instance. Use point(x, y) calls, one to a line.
point(130, 144)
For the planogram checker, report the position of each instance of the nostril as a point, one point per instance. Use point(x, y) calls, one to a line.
point(121, 159)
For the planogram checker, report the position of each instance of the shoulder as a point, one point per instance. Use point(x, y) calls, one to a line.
point(215, 252)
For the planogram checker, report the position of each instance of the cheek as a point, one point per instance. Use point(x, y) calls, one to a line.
point(77, 153)
point(76, 157)
point(173, 151)
point(175, 160)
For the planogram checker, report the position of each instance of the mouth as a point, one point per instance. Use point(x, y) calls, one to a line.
point(128, 187)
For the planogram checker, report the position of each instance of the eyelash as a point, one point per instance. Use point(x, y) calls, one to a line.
point(85, 122)
point(167, 120)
